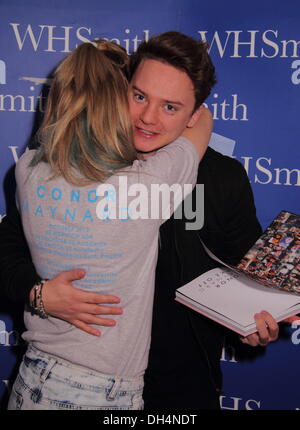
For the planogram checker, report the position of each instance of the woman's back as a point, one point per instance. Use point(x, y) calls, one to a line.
point(119, 255)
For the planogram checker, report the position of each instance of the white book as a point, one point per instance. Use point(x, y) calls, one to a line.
point(232, 299)
point(231, 296)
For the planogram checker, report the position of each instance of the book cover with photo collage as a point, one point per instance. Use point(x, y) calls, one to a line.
point(274, 259)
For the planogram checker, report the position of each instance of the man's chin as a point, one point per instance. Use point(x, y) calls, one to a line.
point(148, 148)
point(149, 152)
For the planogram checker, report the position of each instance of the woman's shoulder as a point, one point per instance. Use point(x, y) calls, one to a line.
point(27, 156)
point(23, 163)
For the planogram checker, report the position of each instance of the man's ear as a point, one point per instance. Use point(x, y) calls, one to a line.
point(194, 117)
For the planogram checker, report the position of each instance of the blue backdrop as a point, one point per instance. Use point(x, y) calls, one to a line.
point(255, 47)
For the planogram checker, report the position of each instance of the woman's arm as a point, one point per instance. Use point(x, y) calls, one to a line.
point(200, 131)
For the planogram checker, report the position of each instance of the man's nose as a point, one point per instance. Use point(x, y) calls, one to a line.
point(149, 115)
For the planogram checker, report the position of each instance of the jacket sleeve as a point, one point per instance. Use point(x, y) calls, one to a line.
point(17, 272)
point(241, 226)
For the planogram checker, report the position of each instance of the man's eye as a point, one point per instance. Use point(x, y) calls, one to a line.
point(170, 108)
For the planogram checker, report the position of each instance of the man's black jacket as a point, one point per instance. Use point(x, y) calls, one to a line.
point(184, 364)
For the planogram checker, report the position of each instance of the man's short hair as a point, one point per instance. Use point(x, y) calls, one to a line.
point(182, 52)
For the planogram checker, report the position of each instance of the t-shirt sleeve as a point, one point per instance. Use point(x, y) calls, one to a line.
point(21, 173)
point(173, 169)
point(176, 163)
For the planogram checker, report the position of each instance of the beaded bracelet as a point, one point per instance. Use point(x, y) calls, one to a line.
point(37, 303)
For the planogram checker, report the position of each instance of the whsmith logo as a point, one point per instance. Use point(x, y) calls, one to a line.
point(228, 43)
point(250, 44)
point(260, 170)
point(296, 74)
point(238, 403)
point(2, 72)
point(228, 354)
point(9, 338)
point(296, 334)
point(254, 44)
point(52, 38)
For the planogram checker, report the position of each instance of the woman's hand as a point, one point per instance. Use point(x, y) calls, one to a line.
point(76, 306)
point(200, 132)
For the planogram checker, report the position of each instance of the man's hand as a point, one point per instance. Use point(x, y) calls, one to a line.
point(267, 330)
point(76, 306)
point(292, 320)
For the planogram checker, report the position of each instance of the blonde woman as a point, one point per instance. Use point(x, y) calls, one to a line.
point(86, 141)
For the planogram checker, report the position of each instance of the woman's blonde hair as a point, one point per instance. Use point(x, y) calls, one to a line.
point(86, 134)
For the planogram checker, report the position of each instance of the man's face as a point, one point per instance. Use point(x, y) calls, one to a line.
point(161, 103)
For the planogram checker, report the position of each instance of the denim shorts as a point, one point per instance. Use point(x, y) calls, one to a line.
point(47, 382)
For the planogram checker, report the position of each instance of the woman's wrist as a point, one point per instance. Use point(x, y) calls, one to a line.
point(36, 299)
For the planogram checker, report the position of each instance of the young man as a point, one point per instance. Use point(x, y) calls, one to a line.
point(171, 75)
